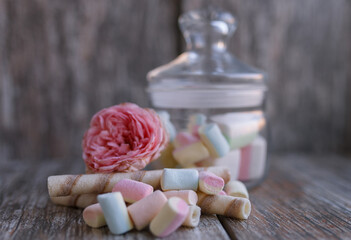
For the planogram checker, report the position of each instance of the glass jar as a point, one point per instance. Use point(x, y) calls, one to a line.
point(212, 104)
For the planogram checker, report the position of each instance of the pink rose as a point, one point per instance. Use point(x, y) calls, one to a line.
point(123, 138)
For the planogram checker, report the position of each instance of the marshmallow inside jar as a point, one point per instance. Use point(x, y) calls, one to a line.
point(214, 98)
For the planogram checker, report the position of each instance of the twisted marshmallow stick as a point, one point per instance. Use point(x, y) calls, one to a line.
point(224, 205)
point(66, 185)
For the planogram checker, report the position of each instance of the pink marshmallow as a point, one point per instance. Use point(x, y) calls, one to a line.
point(195, 130)
point(210, 183)
point(143, 211)
point(184, 138)
point(253, 160)
point(189, 196)
point(245, 163)
point(222, 193)
point(170, 218)
point(93, 216)
point(131, 190)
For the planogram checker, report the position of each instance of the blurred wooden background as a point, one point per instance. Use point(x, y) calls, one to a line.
point(61, 61)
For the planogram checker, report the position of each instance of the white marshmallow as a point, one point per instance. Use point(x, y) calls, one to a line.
point(179, 179)
point(115, 212)
point(240, 129)
point(193, 218)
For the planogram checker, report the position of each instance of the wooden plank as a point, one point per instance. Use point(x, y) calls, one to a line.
point(304, 197)
point(307, 56)
point(27, 213)
point(62, 61)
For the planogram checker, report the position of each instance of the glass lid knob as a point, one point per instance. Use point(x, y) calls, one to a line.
point(207, 29)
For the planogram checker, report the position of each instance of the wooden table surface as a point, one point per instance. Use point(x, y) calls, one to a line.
point(303, 197)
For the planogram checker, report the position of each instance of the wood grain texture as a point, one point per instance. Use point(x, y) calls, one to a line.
point(62, 61)
point(303, 198)
point(304, 46)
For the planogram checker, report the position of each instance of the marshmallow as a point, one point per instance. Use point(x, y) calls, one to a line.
point(258, 157)
point(143, 211)
point(240, 129)
point(179, 179)
point(170, 218)
point(195, 121)
point(165, 118)
point(184, 138)
point(222, 193)
point(189, 196)
point(210, 183)
point(115, 212)
point(214, 140)
point(253, 160)
point(190, 154)
point(166, 159)
point(231, 161)
point(245, 163)
point(93, 216)
point(193, 218)
point(236, 189)
point(220, 171)
point(205, 163)
point(132, 190)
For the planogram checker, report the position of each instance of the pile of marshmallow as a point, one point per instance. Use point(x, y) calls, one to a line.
point(176, 205)
point(231, 140)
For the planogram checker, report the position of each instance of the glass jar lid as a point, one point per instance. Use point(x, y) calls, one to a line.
point(206, 75)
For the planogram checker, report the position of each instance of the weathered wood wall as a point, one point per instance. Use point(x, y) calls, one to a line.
point(61, 61)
